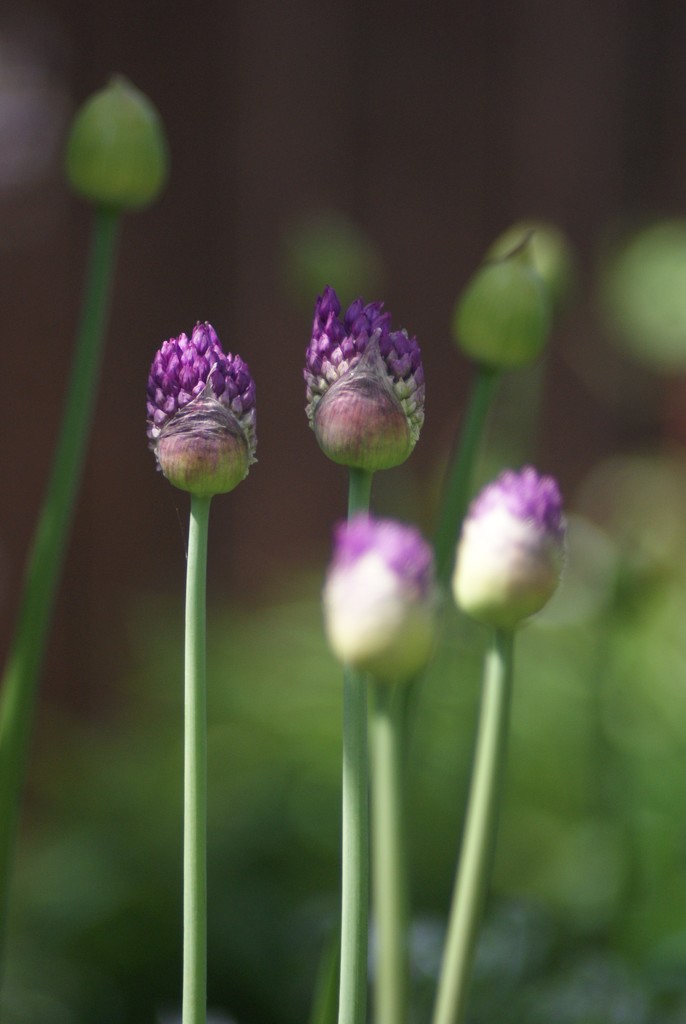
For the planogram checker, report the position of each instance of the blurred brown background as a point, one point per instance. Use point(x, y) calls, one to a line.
point(432, 129)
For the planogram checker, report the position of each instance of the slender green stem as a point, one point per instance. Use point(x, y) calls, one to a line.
point(479, 834)
point(195, 773)
point(18, 693)
point(352, 1001)
point(388, 861)
point(359, 491)
point(456, 495)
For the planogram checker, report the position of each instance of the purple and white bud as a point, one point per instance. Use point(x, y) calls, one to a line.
point(365, 385)
point(201, 413)
point(380, 598)
point(511, 551)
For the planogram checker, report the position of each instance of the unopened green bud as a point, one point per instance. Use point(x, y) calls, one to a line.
point(502, 318)
point(117, 150)
point(552, 257)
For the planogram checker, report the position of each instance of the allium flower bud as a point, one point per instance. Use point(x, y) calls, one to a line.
point(502, 318)
point(117, 150)
point(380, 598)
point(365, 385)
point(201, 413)
point(510, 554)
point(552, 255)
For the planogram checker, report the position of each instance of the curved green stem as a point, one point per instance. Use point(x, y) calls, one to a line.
point(388, 845)
point(456, 495)
point(352, 1001)
point(20, 682)
point(479, 834)
point(195, 773)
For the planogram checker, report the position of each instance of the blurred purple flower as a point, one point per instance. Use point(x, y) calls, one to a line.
point(511, 551)
point(380, 597)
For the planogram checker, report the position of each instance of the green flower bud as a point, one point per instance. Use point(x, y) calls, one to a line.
point(552, 256)
point(117, 150)
point(502, 318)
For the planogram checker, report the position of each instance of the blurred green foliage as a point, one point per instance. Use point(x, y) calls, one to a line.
point(643, 293)
point(326, 247)
point(587, 919)
point(587, 922)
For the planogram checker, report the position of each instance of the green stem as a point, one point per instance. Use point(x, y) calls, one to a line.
point(352, 1001)
point(389, 868)
point(456, 496)
point(21, 677)
point(359, 491)
point(479, 834)
point(195, 773)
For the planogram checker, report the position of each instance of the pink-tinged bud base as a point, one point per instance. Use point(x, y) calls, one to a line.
point(360, 423)
point(202, 450)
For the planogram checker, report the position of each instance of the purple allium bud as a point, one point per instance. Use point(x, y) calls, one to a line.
point(365, 385)
point(201, 413)
point(380, 598)
point(511, 551)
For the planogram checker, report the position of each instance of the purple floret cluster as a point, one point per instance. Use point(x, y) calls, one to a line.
point(402, 548)
point(526, 495)
point(184, 368)
point(338, 344)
